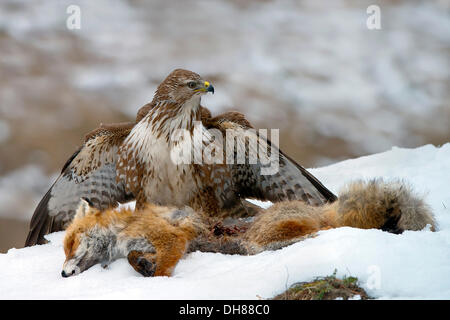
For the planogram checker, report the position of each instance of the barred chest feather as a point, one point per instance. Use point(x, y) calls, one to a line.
point(146, 165)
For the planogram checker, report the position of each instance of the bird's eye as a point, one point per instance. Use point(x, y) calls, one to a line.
point(192, 84)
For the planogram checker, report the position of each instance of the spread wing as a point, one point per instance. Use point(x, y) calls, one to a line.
point(272, 175)
point(91, 173)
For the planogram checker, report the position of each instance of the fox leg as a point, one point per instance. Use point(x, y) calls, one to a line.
point(168, 256)
point(144, 263)
point(160, 263)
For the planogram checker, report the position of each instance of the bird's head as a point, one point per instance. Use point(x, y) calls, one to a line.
point(181, 86)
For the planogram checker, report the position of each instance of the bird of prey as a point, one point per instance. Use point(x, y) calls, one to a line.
point(126, 161)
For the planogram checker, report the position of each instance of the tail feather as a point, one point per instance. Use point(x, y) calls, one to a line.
point(41, 223)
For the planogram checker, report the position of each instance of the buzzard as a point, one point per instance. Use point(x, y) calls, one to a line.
point(125, 161)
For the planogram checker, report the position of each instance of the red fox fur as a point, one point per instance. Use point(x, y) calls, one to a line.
point(154, 239)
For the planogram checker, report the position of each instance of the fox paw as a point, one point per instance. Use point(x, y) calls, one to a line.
point(142, 264)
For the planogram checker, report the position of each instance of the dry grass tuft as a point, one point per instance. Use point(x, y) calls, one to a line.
point(324, 288)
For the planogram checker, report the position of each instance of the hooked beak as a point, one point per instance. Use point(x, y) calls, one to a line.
point(207, 87)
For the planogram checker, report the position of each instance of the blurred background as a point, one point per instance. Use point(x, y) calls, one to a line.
point(313, 69)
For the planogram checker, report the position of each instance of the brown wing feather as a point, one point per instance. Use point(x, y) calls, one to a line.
point(291, 182)
point(91, 173)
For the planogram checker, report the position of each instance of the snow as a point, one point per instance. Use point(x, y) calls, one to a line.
point(413, 265)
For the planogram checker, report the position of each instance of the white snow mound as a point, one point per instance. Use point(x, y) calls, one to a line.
point(413, 265)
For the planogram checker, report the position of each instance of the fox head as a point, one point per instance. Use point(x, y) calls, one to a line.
point(87, 241)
